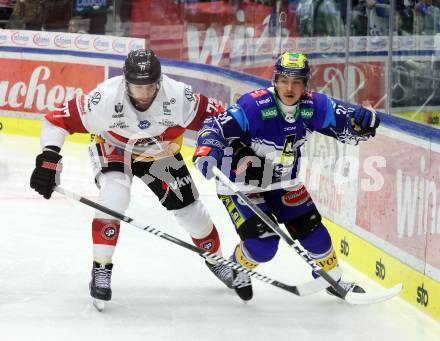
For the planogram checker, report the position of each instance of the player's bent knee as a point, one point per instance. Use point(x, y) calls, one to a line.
point(262, 250)
point(195, 219)
point(114, 193)
point(302, 226)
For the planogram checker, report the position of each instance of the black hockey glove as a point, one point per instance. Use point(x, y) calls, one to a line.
point(248, 165)
point(47, 171)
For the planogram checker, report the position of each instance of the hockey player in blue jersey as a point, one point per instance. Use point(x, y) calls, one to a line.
point(265, 130)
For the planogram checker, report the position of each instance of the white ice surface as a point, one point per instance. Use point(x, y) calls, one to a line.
point(160, 291)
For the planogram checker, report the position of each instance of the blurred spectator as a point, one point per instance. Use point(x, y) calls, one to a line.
point(427, 18)
point(95, 10)
point(123, 8)
point(379, 16)
point(407, 17)
point(56, 14)
point(79, 25)
point(359, 18)
point(305, 15)
point(28, 11)
point(6, 7)
point(328, 19)
point(319, 18)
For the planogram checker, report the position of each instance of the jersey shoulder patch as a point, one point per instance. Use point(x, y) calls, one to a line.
point(107, 96)
point(259, 102)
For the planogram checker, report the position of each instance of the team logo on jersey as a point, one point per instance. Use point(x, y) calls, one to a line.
point(306, 113)
point(96, 97)
point(289, 151)
point(269, 113)
point(144, 124)
point(289, 145)
point(119, 125)
point(264, 101)
point(289, 128)
point(119, 107)
point(166, 109)
point(291, 117)
point(189, 94)
point(167, 123)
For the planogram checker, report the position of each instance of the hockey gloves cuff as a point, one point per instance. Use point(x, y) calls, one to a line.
point(209, 152)
point(205, 158)
point(46, 173)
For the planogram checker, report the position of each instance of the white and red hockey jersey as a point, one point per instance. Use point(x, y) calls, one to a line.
point(108, 112)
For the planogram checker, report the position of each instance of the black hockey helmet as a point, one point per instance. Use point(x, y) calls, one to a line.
point(142, 67)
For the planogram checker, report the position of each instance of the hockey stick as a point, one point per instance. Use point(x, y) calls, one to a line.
point(350, 297)
point(305, 289)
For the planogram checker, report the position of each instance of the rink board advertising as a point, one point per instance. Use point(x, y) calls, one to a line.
point(381, 200)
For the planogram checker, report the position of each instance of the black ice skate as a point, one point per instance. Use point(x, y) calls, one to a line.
point(222, 272)
point(242, 285)
point(100, 285)
point(349, 286)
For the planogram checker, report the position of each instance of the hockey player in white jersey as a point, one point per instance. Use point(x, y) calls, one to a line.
point(139, 119)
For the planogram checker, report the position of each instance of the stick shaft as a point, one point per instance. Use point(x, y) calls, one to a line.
point(292, 243)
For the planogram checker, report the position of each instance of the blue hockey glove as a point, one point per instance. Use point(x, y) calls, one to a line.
point(365, 121)
point(209, 152)
point(205, 158)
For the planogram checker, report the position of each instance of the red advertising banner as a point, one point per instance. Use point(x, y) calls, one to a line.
point(215, 32)
point(365, 82)
point(38, 86)
point(405, 211)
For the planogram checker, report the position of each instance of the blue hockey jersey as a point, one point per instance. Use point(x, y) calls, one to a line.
point(258, 122)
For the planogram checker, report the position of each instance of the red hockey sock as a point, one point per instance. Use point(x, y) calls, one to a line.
point(105, 231)
point(209, 243)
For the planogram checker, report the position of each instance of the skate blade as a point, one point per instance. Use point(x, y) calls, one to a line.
point(99, 304)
